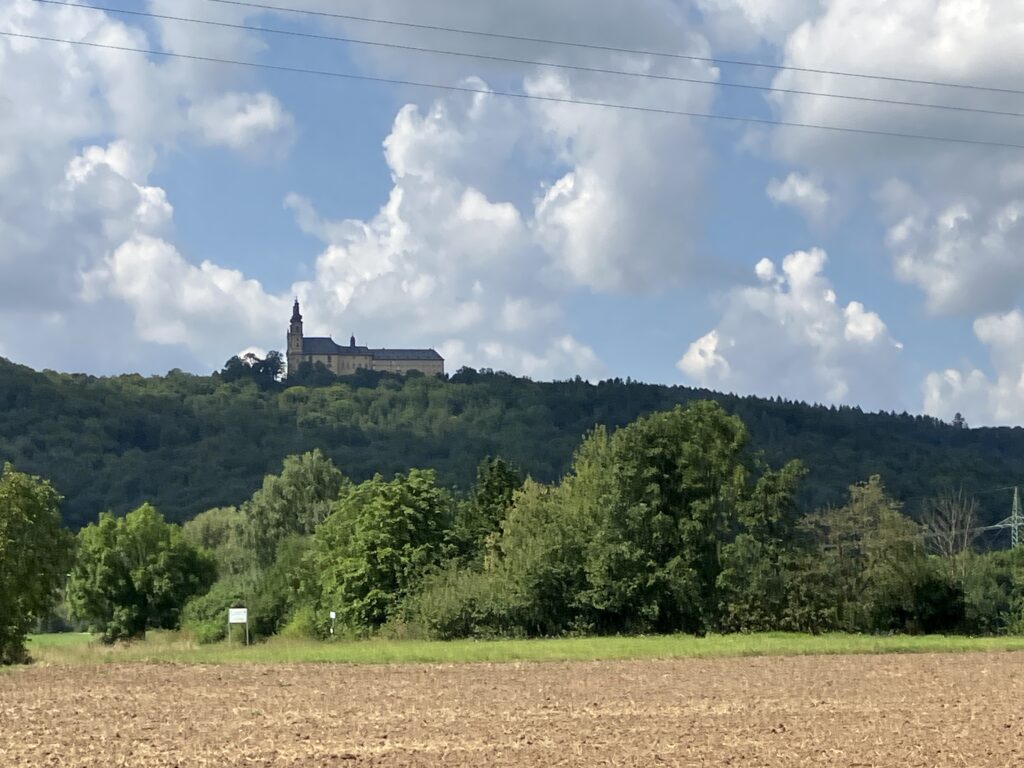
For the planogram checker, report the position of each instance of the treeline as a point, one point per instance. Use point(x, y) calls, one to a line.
point(670, 524)
point(190, 443)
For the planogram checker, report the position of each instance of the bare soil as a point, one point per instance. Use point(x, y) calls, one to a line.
point(928, 710)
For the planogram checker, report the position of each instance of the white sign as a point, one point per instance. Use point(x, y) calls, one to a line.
point(334, 615)
point(238, 615)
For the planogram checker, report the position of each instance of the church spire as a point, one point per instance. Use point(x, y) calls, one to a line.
point(296, 315)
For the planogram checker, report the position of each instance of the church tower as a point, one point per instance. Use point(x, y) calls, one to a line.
point(295, 339)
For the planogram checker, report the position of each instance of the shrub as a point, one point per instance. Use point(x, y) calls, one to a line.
point(206, 617)
point(459, 603)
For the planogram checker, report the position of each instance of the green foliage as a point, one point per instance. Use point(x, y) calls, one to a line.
point(221, 532)
point(294, 502)
point(380, 540)
point(758, 568)
point(883, 577)
point(455, 603)
point(265, 372)
point(676, 481)
point(135, 573)
point(191, 443)
point(286, 586)
point(478, 519)
point(205, 616)
point(631, 540)
point(34, 557)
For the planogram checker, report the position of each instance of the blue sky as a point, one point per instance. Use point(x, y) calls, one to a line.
point(158, 213)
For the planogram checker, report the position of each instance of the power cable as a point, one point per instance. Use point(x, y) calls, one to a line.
point(524, 96)
point(533, 62)
point(614, 49)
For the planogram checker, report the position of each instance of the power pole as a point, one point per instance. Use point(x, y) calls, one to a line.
point(1014, 522)
point(1015, 519)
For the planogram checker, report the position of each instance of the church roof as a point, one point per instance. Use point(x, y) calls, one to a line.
point(405, 354)
point(312, 345)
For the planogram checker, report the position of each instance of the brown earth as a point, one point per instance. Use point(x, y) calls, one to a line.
point(934, 710)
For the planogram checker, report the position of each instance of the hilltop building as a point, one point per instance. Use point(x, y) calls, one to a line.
point(344, 361)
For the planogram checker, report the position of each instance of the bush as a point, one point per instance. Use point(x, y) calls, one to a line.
point(458, 604)
point(206, 617)
point(302, 624)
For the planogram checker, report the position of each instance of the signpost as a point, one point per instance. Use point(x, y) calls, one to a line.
point(238, 616)
point(334, 615)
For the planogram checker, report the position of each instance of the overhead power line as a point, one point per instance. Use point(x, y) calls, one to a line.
point(615, 49)
point(518, 95)
point(533, 62)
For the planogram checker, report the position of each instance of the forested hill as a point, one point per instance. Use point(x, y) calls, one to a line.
point(188, 443)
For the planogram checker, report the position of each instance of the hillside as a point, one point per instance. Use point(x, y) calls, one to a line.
point(188, 443)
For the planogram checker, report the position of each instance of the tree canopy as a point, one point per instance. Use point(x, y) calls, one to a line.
point(35, 553)
point(135, 573)
point(191, 443)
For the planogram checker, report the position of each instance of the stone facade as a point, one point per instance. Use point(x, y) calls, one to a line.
point(346, 360)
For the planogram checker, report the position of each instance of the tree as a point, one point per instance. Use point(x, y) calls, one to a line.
point(878, 562)
point(676, 480)
point(753, 585)
point(379, 541)
point(221, 532)
point(35, 553)
point(479, 518)
point(950, 523)
point(265, 371)
point(296, 501)
point(135, 573)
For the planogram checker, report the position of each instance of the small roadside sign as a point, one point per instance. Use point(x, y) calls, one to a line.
point(238, 616)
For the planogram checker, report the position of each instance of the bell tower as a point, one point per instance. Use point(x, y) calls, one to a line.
point(295, 339)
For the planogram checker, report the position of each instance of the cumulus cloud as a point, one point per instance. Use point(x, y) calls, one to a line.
point(952, 209)
point(968, 41)
point(442, 263)
point(789, 334)
point(75, 164)
point(985, 399)
point(805, 194)
point(965, 257)
point(740, 24)
point(206, 299)
point(254, 124)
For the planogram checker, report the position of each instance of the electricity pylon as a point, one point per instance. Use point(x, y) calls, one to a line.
point(1014, 522)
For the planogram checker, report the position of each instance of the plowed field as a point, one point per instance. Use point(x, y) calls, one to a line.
point(933, 710)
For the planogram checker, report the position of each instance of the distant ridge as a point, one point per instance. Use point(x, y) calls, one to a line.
point(188, 443)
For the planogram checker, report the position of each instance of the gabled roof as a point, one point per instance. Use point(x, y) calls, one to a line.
point(405, 354)
point(312, 345)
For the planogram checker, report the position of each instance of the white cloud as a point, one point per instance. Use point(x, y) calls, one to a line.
point(206, 300)
point(965, 257)
point(984, 399)
point(75, 163)
point(741, 24)
point(953, 211)
point(254, 124)
point(802, 192)
point(443, 264)
point(790, 335)
point(626, 217)
point(966, 41)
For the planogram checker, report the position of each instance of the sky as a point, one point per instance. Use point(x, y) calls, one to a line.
point(159, 212)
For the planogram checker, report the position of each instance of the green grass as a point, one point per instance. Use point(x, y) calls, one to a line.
point(173, 647)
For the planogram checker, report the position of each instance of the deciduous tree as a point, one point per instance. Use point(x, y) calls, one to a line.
point(35, 554)
point(135, 573)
